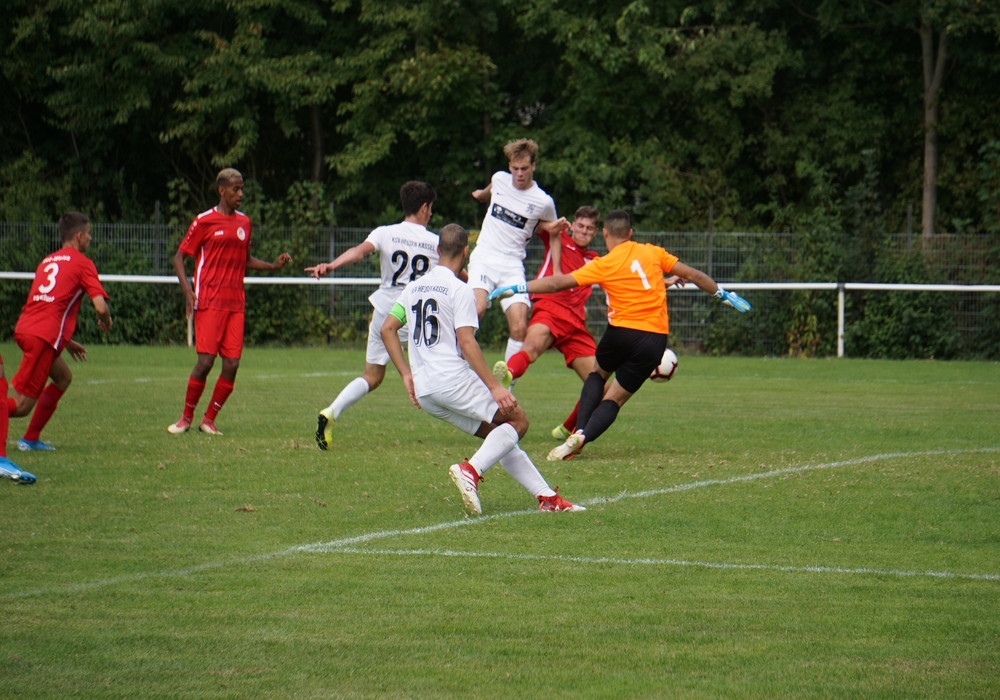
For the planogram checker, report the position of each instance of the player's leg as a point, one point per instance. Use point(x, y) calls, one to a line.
point(517, 463)
point(537, 339)
point(517, 327)
point(577, 346)
point(376, 359)
point(192, 392)
point(4, 412)
point(230, 350)
point(8, 470)
point(207, 339)
point(62, 377)
point(634, 354)
point(470, 407)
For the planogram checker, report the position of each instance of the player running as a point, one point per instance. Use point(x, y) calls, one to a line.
point(44, 329)
point(407, 251)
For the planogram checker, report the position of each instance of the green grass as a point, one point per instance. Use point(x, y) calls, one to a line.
point(755, 528)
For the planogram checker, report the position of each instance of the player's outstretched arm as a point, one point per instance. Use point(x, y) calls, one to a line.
point(544, 285)
point(349, 256)
point(264, 266)
point(710, 286)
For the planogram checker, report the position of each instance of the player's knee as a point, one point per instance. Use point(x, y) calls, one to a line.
point(518, 420)
point(23, 405)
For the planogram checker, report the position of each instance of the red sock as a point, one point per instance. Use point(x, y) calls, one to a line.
point(4, 417)
point(223, 388)
point(518, 363)
point(195, 389)
point(570, 422)
point(44, 409)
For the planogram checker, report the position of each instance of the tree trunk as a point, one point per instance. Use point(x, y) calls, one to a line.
point(317, 139)
point(933, 77)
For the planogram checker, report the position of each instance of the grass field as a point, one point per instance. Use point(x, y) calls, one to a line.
point(755, 528)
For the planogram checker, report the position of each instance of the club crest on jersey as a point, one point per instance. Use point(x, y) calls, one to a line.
point(241, 233)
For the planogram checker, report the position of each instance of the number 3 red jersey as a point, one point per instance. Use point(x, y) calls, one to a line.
point(220, 246)
point(61, 282)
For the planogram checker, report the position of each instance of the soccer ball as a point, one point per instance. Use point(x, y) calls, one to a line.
point(666, 368)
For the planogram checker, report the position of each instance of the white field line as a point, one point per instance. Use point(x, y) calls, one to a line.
point(348, 545)
point(662, 562)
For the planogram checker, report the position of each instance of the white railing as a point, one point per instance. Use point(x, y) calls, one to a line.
point(735, 286)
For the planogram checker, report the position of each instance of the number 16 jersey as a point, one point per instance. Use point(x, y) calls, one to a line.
point(407, 251)
point(435, 305)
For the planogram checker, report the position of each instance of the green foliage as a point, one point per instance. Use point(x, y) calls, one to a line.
point(899, 325)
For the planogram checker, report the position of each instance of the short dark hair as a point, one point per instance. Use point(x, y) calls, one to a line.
point(415, 194)
point(588, 212)
point(452, 240)
point(71, 223)
point(617, 223)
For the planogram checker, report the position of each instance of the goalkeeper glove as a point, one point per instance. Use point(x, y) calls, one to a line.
point(508, 291)
point(733, 299)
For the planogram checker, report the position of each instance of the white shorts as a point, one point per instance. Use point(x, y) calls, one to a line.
point(466, 405)
point(500, 272)
point(376, 353)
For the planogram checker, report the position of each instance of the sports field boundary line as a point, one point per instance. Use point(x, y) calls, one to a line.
point(344, 544)
point(645, 561)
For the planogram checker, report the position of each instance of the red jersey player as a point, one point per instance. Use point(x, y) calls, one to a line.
point(560, 319)
point(44, 329)
point(219, 241)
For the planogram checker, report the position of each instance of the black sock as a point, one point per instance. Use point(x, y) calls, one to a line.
point(604, 415)
point(590, 396)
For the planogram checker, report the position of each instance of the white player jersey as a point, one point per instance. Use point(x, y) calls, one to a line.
point(511, 220)
point(406, 251)
point(437, 304)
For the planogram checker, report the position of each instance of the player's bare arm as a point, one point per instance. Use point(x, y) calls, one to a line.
point(483, 195)
point(264, 266)
point(697, 277)
point(185, 285)
point(103, 312)
point(390, 337)
point(553, 229)
point(348, 257)
point(76, 351)
point(553, 283)
point(466, 337)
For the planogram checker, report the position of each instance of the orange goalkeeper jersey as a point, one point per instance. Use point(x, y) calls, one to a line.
point(632, 277)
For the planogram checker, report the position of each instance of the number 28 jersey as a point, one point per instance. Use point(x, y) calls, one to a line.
point(435, 305)
point(407, 251)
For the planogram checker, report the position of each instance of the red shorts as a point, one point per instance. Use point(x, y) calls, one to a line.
point(218, 332)
point(36, 362)
point(571, 336)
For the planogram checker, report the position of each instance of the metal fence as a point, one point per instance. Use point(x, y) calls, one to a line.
point(729, 257)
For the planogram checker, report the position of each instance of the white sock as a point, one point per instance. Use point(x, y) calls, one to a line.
point(518, 464)
point(513, 347)
point(348, 396)
point(499, 442)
